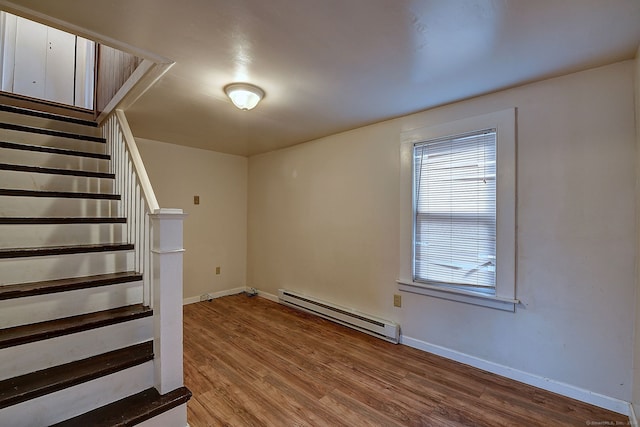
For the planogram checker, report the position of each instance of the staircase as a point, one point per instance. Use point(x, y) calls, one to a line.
point(78, 338)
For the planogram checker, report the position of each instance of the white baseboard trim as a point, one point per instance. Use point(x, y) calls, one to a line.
point(214, 295)
point(633, 420)
point(190, 300)
point(606, 402)
point(268, 296)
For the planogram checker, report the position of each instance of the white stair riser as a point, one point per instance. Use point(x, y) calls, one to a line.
point(40, 308)
point(56, 207)
point(173, 417)
point(35, 356)
point(54, 182)
point(52, 141)
point(34, 235)
point(48, 160)
point(32, 269)
point(76, 400)
point(39, 122)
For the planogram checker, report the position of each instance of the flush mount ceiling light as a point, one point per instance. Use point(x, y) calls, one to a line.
point(245, 96)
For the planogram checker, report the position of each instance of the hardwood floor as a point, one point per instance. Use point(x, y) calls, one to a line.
point(253, 362)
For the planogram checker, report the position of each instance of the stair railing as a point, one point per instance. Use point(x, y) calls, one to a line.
point(137, 197)
point(156, 234)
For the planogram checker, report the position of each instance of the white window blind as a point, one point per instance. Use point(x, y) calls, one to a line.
point(455, 211)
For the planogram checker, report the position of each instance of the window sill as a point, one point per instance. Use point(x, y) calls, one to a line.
point(459, 295)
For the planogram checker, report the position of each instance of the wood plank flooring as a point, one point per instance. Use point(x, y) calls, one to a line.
point(253, 362)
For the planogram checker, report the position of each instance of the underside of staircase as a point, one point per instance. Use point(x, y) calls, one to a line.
point(76, 338)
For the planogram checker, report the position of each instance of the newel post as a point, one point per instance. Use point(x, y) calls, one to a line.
point(167, 251)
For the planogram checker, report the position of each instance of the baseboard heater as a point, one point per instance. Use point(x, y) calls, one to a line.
point(380, 328)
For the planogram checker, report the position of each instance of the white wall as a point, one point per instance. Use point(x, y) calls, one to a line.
point(324, 219)
point(215, 231)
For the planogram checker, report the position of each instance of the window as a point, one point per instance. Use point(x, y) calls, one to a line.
point(455, 211)
point(458, 211)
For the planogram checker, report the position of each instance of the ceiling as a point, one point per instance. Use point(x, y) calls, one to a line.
point(333, 65)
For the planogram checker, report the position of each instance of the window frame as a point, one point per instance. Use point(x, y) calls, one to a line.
point(504, 122)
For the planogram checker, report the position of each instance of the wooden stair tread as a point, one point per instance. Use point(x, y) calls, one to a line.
point(57, 194)
point(56, 133)
point(55, 171)
point(25, 387)
point(63, 250)
point(21, 290)
point(37, 104)
point(61, 220)
point(52, 150)
point(44, 115)
point(24, 334)
point(131, 410)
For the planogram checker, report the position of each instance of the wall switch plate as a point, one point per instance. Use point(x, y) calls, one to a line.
point(196, 200)
point(217, 270)
point(397, 300)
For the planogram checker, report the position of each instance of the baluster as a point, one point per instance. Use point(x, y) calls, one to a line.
point(140, 230)
point(148, 289)
point(136, 214)
point(127, 195)
point(119, 172)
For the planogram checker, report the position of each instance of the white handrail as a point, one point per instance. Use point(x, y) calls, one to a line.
point(138, 165)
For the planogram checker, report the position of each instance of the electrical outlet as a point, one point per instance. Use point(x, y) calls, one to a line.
point(397, 300)
point(196, 200)
point(217, 270)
